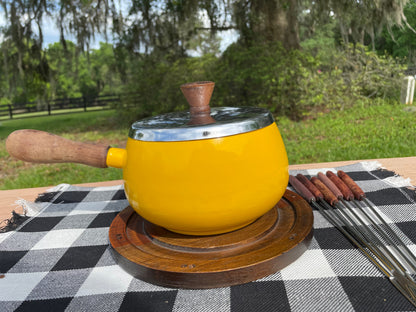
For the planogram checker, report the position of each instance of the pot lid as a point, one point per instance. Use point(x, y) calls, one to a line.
point(201, 122)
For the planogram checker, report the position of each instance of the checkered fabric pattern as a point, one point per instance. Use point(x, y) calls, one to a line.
point(59, 260)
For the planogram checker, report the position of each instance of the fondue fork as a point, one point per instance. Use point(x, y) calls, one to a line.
point(403, 258)
point(344, 182)
point(329, 201)
point(316, 200)
point(339, 218)
point(360, 197)
point(320, 197)
point(362, 218)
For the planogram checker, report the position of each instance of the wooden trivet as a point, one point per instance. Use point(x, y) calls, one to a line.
point(156, 255)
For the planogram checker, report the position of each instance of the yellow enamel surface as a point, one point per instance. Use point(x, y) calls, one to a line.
point(116, 157)
point(205, 187)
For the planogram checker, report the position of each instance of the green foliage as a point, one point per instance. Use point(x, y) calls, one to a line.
point(155, 85)
point(368, 75)
point(400, 41)
point(294, 83)
point(322, 45)
point(289, 83)
point(70, 73)
point(262, 75)
point(103, 70)
point(75, 74)
point(22, 77)
point(63, 69)
point(349, 74)
point(151, 36)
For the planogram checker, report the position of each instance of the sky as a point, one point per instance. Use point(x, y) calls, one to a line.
point(51, 34)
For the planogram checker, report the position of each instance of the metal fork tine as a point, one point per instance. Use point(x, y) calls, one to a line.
point(384, 260)
point(348, 190)
point(404, 251)
point(373, 239)
point(385, 234)
point(405, 288)
point(363, 235)
point(355, 239)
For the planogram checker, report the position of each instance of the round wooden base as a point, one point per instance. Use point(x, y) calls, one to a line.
point(161, 257)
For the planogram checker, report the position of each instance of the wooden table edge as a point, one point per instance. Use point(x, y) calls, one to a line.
point(404, 166)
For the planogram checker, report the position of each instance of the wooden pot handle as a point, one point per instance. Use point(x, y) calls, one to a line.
point(43, 147)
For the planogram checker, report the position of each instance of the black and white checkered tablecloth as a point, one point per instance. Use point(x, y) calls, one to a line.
point(59, 260)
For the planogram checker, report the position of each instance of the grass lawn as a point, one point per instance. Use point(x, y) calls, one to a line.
point(379, 131)
point(357, 133)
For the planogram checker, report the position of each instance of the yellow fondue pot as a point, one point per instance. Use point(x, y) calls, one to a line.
point(200, 173)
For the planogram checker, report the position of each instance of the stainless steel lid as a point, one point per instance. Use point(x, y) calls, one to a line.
point(175, 126)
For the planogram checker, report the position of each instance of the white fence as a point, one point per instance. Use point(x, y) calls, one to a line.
point(408, 90)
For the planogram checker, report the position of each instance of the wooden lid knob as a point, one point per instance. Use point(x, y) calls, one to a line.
point(198, 94)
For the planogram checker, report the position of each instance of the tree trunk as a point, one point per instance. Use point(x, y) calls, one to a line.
point(290, 28)
point(276, 20)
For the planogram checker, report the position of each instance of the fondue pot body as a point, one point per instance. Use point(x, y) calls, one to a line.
point(202, 172)
point(204, 187)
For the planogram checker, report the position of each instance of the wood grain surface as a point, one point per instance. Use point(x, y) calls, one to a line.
point(43, 147)
point(158, 256)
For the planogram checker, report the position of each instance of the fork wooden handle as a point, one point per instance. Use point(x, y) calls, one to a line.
point(355, 189)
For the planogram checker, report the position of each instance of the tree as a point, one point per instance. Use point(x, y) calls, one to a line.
point(27, 67)
point(400, 41)
point(24, 76)
point(75, 74)
point(167, 26)
point(63, 70)
point(275, 20)
point(161, 27)
point(279, 20)
point(103, 69)
point(366, 17)
point(169, 29)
